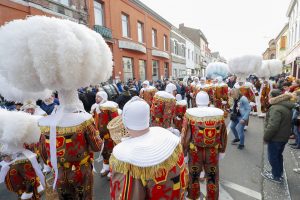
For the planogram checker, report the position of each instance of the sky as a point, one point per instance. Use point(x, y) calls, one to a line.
point(232, 27)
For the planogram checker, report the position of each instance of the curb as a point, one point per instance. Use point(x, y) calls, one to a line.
point(270, 190)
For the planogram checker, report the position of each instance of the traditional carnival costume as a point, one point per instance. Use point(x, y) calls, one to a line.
point(171, 88)
point(242, 67)
point(204, 137)
point(181, 106)
point(108, 110)
point(206, 87)
point(148, 166)
point(147, 92)
point(20, 170)
point(69, 136)
point(269, 68)
point(163, 109)
point(29, 106)
point(194, 91)
point(219, 71)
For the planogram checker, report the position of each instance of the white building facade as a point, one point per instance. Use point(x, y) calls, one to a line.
point(189, 57)
point(293, 52)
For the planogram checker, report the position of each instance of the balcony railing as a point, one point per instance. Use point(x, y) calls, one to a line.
point(105, 32)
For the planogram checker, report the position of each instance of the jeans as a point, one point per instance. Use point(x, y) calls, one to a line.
point(275, 150)
point(297, 134)
point(238, 130)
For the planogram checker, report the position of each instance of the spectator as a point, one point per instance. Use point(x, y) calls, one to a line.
point(188, 91)
point(48, 105)
point(285, 87)
point(123, 98)
point(231, 82)
point(277, 131)
point(119, 86)
point(239, 116)
point(182, 90)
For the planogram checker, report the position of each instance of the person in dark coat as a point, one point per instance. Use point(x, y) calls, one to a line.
point(123, 98)
point(277, 132)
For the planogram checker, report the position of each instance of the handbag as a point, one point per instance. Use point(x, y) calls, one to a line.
point(234, 117)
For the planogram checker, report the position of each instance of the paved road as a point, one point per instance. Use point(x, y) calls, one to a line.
point(239, 170)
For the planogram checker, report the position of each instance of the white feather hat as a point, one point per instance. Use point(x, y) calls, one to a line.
point(217, 69)
point(270, 68)
point(42, 53)
point(17, 128)
point(244, 66)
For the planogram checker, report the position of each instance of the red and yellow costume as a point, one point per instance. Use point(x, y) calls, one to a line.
point(108, 111)
point(209, 89)
point(264, 97)
point(194, 92)
point(203, 138)
point(147, 94)
point(163, 109)
point(163, 176)
point(21, 178)
point(74, 149)
point(180, 110)
point(220, 97)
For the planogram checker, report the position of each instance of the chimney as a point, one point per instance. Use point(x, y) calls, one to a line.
point(181, 25)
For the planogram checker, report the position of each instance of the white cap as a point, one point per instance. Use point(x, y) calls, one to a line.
point(146, 83)
point(28, 104)
point(178, 97)
point(102, 94)
point(170, 88)
point(203, 79)
point(136, 114)
point(202, 99)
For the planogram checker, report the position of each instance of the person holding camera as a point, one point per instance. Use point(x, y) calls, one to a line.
point(238, 117)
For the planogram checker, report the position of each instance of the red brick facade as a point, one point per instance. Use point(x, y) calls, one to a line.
point(123, 48)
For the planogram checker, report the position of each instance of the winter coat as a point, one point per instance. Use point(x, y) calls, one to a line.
point(123, 99)
point(278, 123)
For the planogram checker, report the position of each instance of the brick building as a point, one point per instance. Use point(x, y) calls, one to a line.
point(19, 9)
point(140, 38)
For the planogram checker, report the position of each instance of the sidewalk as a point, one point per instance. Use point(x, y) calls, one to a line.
point(291, 161)
point(290, 189)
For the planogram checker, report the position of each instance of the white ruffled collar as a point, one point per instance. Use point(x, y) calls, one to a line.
point(149, 149)
point(67, 119)
point(205, 112)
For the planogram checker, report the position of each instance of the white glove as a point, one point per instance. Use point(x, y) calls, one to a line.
point(224, 102)
point(221, 156)
point(252, 104)
point(120, 111)
point(186, 159)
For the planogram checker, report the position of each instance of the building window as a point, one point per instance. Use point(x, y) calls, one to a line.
point(140, 32)
point(64, 2)
point(283, 42)
point(166, 70)
point(125, 26)
point(196, 58)
point(127, 68)
point(176, 47)
point(155, 72)
point(142, 69)
point(99, 13)
point(165, 43)
point(183, 50)
point(192, 56)
point(154, 38)
point(188, 54)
